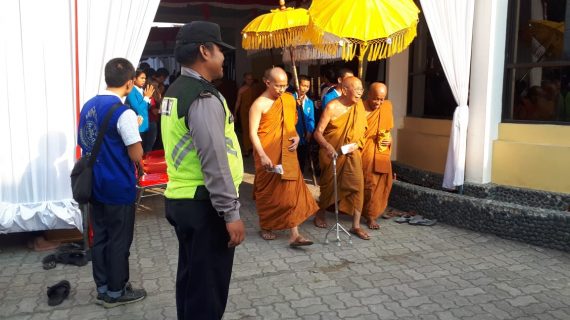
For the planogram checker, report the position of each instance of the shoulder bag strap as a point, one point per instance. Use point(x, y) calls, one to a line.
point(101, 134)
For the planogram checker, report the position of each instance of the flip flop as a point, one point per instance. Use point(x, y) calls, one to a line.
point(388, 213)
point(73, 257)
point(372, 224)
point(49, 262)
point(300, 242)
point(403, 219)
point(421, 221)
point(58, 292)
point(267, 235)
point(360, 233)
point(320, 222)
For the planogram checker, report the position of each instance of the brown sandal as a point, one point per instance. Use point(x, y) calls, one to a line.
point(267, 235)
point(360, 233)
point(320, 221)
point(300, 241)
point(372, 224)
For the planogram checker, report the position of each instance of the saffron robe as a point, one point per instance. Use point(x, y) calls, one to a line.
point(246, 100)
point(347, 128)
point(376, 162)
point(282, 201)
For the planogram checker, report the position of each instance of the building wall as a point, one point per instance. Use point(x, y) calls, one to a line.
point(532, 156)
point(422, 143)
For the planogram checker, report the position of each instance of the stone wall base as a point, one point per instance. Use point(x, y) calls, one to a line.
point(536, 217)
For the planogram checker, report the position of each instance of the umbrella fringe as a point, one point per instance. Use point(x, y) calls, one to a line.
point(376, 49)
point(276, 39)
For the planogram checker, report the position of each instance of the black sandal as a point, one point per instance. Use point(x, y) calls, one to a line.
point(49, 261)
point(73, 257)
point(58, 292)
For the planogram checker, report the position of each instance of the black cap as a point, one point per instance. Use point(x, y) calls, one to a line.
point(201, 32)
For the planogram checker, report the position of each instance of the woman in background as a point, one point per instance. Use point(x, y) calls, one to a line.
point(139, 100)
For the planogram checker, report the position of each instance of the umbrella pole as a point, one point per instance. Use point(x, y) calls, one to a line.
point(363, 49)
point(272, 57)
point(295, 71)
point(360, 67)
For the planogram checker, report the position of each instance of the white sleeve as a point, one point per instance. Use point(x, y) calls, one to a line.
point(128, 127)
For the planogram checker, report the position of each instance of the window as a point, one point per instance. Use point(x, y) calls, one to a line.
point(429, 94)
point(537, 66)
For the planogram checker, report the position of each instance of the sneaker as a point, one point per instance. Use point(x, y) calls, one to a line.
point(130, 295)
point(100, 298)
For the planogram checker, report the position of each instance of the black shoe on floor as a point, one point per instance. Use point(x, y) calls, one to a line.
point(58, 292)
point(130, 295)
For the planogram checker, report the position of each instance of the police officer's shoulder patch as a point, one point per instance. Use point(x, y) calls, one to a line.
point(166, 106)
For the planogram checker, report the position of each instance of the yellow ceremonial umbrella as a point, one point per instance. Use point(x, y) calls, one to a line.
point(281, 28)
point(373, 29)
point(550, 34)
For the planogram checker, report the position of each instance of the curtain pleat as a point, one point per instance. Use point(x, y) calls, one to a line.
point(450, 23)
point(37, 97)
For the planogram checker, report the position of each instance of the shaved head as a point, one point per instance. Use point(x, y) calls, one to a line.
point(376, 95)
point(352, 89)
point(275, 73)
point(276, 82)
point(351, 82)
point(378, 88)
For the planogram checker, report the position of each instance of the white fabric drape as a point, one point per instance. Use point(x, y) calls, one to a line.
point(37, 98)
point(110, 29)
point(450, 23)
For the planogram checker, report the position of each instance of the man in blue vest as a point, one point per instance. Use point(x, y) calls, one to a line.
point(306, 120)
point(336, 91)
point(205, 169)
point(114, 184)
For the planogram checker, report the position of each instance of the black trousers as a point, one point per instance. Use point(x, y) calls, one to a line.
point(113, 227)
point(204, 259)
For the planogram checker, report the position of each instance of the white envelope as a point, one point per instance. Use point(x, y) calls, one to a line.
point(277, 169)
point(348, 148)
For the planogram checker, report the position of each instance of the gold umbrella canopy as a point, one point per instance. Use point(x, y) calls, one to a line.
point(375, 29)
point(280, 28)
point(550, 34)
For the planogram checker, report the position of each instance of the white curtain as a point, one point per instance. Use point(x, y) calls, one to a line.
point(450, 23)
point(37, 97)
point(110, 29)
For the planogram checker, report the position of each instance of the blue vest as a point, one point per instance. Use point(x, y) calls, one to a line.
point(114, 180)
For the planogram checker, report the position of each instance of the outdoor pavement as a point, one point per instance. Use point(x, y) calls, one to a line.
point(404, 272)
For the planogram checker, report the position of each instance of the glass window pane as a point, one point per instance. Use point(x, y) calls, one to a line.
point(539, 94)
point(541, 31)
point(429, 94)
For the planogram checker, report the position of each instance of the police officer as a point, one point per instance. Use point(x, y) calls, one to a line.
point(205, 169)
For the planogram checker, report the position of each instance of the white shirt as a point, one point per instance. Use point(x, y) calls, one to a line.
point(127, 125)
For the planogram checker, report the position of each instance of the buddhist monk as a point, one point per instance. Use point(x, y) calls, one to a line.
point(340, 133)
point(281, 196)
point(376, 154)
point(247, 93)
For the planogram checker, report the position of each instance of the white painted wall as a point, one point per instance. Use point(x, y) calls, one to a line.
point(397, 82)
point(486, 87)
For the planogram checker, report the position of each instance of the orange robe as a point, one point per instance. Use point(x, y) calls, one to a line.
point(376, 162)
point(246, 100)
point(347, 128)
point(282, 201)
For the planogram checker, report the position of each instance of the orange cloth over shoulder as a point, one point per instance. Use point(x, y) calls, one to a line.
point(347, 128)
point(282, 201)
point(246, 100)
point(376, 162)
